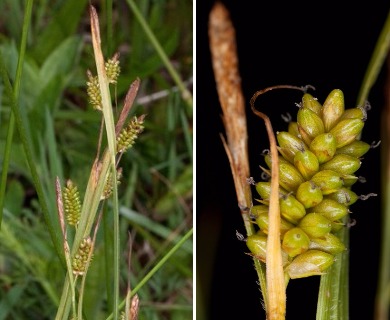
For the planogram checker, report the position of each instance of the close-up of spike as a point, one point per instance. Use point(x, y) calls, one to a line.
point(306, 91)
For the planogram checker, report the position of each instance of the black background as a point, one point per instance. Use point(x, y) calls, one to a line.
point(326, 44)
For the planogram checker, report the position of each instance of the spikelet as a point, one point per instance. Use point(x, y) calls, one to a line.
point(113, 69)
point(319, 156)
point(80, 260)
point(72, 205)
point(130, 133)
point(108, 187)
point(93, 91)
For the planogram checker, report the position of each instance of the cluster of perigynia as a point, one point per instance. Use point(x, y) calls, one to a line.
point(319, 155)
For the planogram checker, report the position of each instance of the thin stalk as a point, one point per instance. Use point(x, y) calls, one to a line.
point(276, 281)
point(11, 125)
point(149, 33)
point(109, 35)
point(376, 62)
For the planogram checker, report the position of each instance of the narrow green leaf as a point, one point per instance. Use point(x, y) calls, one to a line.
point(378, 57)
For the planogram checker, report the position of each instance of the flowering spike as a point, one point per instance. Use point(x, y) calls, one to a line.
point(72, 205)
point(318, 158)
point(113, 69)
point(80, 260)
point(128, 135)
point(93, 91)
point(107, 191)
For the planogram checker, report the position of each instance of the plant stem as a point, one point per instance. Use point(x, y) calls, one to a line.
point(111, 139)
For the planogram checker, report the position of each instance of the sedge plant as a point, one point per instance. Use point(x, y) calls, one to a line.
point(66, 253)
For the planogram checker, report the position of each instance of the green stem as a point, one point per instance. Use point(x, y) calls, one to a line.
point(111, 140)
point(333, 292)
point(109, 36)
point(377, 59)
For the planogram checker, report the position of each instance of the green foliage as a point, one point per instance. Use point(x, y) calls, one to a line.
point(62, 130)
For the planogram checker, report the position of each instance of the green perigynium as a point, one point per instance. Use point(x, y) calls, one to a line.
point(318, 158)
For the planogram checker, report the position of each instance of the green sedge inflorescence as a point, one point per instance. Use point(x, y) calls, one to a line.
point(319, 155)
point(82, 257)
point(125, 139)
point(72, 203)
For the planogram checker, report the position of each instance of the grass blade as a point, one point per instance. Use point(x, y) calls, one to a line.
point(377, 59)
